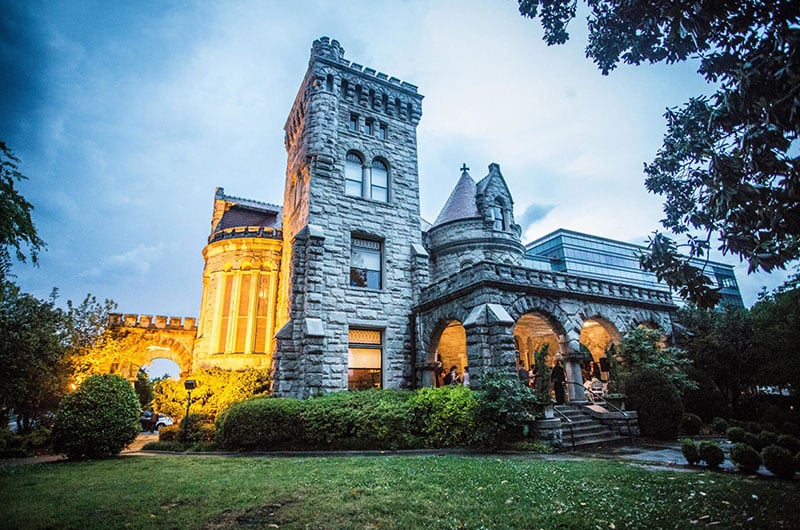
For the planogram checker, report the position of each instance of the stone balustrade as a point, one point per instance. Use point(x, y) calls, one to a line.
point(556, 282)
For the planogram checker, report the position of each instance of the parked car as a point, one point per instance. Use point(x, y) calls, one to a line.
point(146, 419)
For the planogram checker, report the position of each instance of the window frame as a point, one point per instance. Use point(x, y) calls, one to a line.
point(376, 347)
point(365, 246)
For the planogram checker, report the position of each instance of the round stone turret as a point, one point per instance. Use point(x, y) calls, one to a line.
point(475, 225)
point(327, 48)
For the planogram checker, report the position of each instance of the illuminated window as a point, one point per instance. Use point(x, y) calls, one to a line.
point(242, 314)
point(379, 182)
point(227, 293)
point(364, 359)
point(365, 263)
point(263, 314)
point(353, 175)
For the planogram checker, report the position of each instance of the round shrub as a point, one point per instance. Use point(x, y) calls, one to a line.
point(766, 438)
point(752, 440)
point(691, 424)
point(261, 424)
point(199, 428)
point(719, 425)
point(745, 458)
point(650, 393)
point(690, 452)
point(791, 428)
point(711, 454)
point(503, 410)
point(779, 461)
point(735, 434)
point(98, 420)
point(790, 443)
point(753, 427)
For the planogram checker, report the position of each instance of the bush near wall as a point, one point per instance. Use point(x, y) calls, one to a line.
point(374, 419)
point(656, 400)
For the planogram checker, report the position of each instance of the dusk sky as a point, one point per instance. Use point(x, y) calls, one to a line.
point(127, 115)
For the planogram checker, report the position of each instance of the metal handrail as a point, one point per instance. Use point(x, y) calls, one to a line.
point(608, 404)
point(569, 422)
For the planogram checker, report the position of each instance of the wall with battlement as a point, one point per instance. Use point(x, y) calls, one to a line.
point(152, 322)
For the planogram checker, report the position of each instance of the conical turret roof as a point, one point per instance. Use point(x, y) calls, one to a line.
point(461, 203)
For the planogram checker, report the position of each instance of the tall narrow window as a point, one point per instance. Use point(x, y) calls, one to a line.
point(366, 257)
point(353, 124)
point(382, 131)
point(242, 314)
point(353, 175)
point(364, 359)
point(263, 313)
point(369, 127)
point(379, 182)
point(224, 321)
point(498, 216)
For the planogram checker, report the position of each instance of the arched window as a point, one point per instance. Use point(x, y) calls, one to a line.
point(379, 183)
point(354, 175)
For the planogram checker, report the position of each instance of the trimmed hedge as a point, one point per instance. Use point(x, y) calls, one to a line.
point(452, 416)
point(690, 452)
point(711, 454)
point(790, 443)
point(745, 458)
point(779, 461)
point(735, 434)
point(691, 424)
point(98, 420)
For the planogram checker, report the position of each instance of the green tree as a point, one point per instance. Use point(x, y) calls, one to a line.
point(143, 387)
point(35, 371)
point(16, 227)
point(728, 167)
point(776, 318)
point(644, 347)
point(722, 346)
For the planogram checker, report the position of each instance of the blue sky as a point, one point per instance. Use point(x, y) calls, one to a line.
point(126, 116)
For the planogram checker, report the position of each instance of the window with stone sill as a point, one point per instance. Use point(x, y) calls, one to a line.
point(366, 259)
point(353, 124)
point(369, 127)
point(382, 131)
point(366, 182)
point(364, 359)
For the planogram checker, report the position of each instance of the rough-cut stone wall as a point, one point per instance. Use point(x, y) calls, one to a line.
point(313, 347)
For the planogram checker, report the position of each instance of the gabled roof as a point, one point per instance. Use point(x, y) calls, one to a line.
point(461, 203)
point(494, 174)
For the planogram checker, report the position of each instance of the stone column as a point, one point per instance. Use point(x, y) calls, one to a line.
point(572, 366)
point(490, 342)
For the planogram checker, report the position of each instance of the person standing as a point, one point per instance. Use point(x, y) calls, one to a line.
point(465, 377)
point(558, 377)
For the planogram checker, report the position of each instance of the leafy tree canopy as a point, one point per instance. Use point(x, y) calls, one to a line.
point(728, 167)
point(16, 227)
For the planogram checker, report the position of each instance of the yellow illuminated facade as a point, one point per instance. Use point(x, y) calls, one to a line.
point(240, 285)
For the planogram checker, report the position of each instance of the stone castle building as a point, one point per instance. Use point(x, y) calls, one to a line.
point(345, 286)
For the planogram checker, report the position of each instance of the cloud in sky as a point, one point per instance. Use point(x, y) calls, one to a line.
point(126, 116)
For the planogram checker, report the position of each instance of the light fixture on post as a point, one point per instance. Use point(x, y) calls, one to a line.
point(189, 385)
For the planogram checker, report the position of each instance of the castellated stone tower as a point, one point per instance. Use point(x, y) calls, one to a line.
point(352, 253)
point(475, 225)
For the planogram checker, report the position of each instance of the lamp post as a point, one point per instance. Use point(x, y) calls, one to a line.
point(189, 385)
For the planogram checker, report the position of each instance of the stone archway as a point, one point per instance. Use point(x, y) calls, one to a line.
point(597, 335)
point(448, 348)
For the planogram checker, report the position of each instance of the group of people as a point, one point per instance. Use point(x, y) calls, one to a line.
point(557, 378)
point(454, 378)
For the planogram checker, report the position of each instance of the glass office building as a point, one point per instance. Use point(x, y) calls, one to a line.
point(598, 257)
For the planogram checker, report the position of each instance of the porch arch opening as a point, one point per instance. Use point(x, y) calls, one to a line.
point(597, 335)
point(448, 349)
point(532, 332)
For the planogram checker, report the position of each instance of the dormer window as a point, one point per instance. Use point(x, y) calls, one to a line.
point(498, 217)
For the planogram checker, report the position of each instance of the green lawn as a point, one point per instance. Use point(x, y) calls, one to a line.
point(384, 492)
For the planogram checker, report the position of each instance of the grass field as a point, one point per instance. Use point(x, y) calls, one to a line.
point(384, 492)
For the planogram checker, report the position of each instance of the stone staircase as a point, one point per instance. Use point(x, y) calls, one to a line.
point(586, 429)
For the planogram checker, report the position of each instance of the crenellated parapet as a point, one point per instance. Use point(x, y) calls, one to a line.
point(542, 282)
point(117, 320)
point(237, 232)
